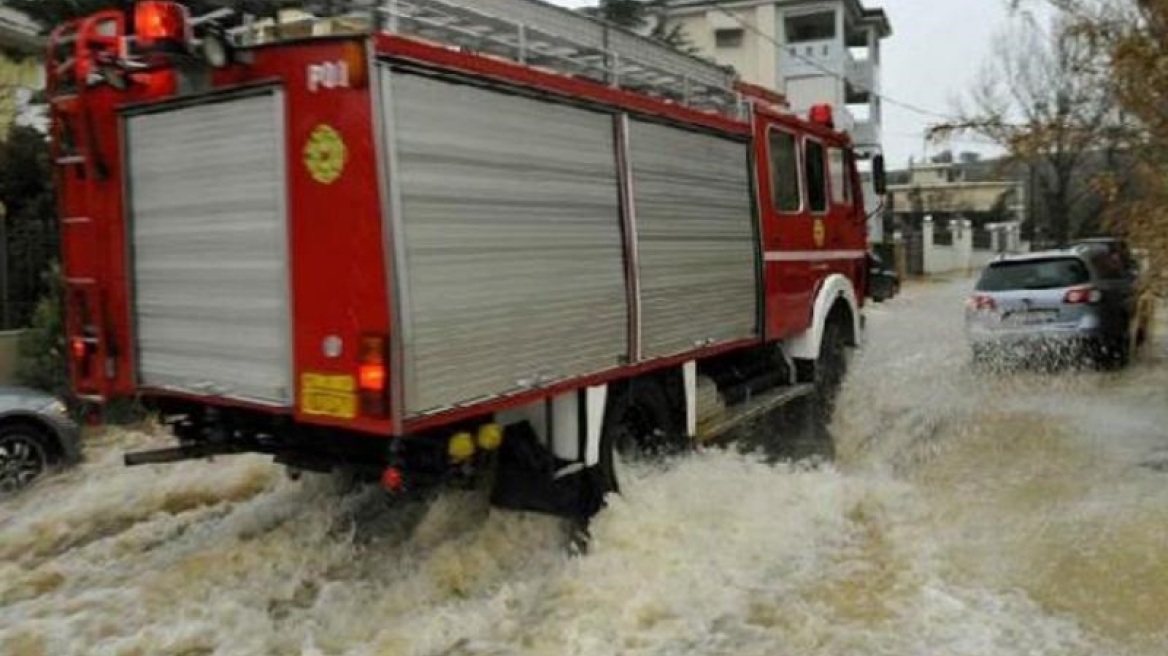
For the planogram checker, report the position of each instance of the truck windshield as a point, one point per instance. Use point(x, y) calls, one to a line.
point(1050, 273)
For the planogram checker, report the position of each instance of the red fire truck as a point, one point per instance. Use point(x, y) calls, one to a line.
point(429, 235)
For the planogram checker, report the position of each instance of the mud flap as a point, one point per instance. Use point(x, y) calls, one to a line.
point(530, 478)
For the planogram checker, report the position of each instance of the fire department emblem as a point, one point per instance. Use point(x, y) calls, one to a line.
point(820, 233)
point(325, 154)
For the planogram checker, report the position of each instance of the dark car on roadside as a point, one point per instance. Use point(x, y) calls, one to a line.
point(1114, 249)
point(37, 434)
point(1061, 304)
point(883, 281)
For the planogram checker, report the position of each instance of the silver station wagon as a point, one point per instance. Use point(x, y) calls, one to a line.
point(1065, 304)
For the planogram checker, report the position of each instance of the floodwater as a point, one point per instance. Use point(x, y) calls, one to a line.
point(967, 513)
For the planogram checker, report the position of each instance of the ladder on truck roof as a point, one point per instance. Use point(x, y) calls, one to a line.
point(539, 34)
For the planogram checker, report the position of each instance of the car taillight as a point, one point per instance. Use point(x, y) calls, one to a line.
point(373, 377)
point(982, 302)
point(1081, 295)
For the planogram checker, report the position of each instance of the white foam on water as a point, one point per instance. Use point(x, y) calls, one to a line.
point(967, 514)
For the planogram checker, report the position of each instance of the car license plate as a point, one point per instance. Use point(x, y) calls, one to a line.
point(325, 395)
point(1029, 318)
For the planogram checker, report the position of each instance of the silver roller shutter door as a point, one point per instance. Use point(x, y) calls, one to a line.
point(513, 262)
point(696, 238)
point(209, 233)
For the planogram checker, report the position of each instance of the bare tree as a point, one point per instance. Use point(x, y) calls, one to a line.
point(1133, 36)
point(1047, 97)
point(644, 16)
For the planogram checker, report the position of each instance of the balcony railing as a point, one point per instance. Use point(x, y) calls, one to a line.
point(814, 58)
point(866, 134)
point(830, 57)
point(863, 74)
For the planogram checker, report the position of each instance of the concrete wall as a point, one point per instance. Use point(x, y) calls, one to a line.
point(962, 257)
point(953, 197)
point(756, 60)
point(804, 92)
point(9, 355)
point(948, 259)
point(980, 258)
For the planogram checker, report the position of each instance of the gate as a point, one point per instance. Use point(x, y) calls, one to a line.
point(915, 249)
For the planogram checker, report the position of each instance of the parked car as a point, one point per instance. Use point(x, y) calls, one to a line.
point(1066, 304)
point(1120, 256)
point(36, 435)
point(883, 281)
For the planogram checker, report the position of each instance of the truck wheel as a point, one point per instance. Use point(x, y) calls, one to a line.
point(827, 373)
point(639, 424)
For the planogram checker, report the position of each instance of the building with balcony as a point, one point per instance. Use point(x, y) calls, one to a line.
point(812, 51)
point(985, 193)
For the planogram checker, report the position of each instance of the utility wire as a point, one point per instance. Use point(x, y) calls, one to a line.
point(814, 64)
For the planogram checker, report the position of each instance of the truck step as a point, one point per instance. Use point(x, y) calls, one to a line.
point(180, 453)
point(753, 408)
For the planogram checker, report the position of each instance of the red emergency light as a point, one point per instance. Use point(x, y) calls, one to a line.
point(822, 115)
point(160, 23)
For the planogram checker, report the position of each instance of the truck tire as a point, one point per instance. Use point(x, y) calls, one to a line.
point(828, 371)
point(640, 423)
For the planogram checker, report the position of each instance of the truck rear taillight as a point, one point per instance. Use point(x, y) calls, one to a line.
point(83, 349)
point(373, 377)
point(1082, 295)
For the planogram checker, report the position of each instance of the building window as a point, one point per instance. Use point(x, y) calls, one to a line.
point(784, 160)
point(811, 27)
point(816, 168)
point(729, 37)
point(840, 181)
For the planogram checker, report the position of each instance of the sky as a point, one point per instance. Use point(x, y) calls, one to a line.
point(933, 56)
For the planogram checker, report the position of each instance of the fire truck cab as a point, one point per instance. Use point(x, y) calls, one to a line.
point(414, 240)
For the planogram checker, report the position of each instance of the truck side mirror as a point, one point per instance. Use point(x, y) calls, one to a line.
point(879, 176)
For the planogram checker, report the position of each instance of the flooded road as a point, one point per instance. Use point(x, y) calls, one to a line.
point(966, 514)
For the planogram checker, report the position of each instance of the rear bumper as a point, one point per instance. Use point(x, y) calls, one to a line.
point(1032, 335)
point(988, 330)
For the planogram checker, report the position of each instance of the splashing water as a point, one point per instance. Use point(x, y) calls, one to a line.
point(1025, 513)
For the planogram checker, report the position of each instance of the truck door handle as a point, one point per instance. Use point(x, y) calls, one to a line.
point(820, 267)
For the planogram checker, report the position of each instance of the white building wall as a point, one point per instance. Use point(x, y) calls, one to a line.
point(803, 92)
point(807, 72)
point(757, 59)
point(961, 257)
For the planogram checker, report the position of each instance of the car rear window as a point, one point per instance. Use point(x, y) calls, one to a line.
point(1050, 273)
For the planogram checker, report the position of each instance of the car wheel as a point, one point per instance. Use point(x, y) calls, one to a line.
point(1111, 353)
point(24, 457)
